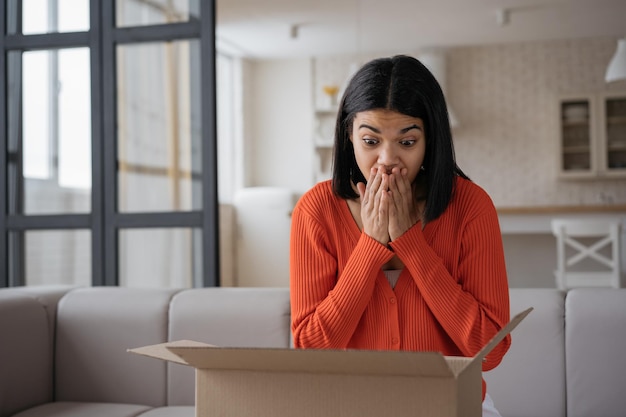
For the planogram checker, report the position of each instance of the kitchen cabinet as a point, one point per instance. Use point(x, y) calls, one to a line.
point(323, 140)
point(592, 137)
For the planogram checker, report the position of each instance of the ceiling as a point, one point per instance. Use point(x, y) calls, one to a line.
point(300, 28)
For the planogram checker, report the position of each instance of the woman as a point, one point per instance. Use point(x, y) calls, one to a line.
point(400, 250)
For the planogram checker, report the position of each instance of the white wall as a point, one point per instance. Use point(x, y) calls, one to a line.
point(277, 115)
point(279, 129)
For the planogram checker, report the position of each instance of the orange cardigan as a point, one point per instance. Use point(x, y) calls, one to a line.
point(451, 297)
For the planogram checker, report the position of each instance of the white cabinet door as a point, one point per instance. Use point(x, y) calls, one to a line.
point(577, 157)
point(592, 136)
point(612, 135)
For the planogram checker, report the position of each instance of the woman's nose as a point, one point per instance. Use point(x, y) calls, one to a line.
point(387, 158)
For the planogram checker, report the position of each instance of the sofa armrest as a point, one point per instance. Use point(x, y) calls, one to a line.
point(530, 381)
point(25, 356)
point(595, 346)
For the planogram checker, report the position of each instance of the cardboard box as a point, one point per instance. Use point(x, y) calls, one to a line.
point(261, 382)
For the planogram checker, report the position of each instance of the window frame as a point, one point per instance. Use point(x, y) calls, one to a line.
point(105, 221)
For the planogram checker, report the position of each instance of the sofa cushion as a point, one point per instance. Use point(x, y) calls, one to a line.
point(530, 381)
point(172, 411)
point(72, 409)
point(25, 360)
point(95, 327)
point(233, 317)
point(595, 344)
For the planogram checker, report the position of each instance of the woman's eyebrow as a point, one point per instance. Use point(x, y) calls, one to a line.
point(402, 131)
point(373, 129)
point(406, 129)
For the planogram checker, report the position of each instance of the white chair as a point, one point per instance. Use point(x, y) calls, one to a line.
point(588, 253)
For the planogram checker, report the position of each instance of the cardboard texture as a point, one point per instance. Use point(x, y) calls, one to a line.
point(261, 382)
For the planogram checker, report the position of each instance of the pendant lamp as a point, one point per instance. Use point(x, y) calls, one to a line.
point(617, 66)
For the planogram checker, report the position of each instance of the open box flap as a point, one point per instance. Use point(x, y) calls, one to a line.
point(162, 351)
point(502, 334)
point(354, 362)
point(206, 356)
point(357, 362)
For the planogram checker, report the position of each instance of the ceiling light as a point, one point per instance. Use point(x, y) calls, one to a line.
point(617, 66)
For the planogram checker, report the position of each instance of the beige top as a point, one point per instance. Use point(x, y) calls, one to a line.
point(392, 276)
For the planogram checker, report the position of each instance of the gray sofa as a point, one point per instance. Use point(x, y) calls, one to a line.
point(63, 350)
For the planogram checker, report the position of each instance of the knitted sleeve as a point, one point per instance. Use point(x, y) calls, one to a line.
point(326, 306)
point(473, 305)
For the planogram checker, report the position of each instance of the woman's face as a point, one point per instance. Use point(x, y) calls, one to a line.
point(389, 139)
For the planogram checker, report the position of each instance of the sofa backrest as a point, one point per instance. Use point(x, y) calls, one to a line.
point(25, 359)
point(595, 343)
point(228, 317)
point(530, 381)
point(48, 296)
point(95, 327)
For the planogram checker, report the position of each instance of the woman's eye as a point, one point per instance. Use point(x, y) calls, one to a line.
point(370, 141)
point(407, 142)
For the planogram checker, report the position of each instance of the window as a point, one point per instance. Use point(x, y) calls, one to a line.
point(108, 111)
point(158, 127)
point(56, 129)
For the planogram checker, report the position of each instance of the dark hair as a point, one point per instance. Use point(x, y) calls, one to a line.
point(402, 84)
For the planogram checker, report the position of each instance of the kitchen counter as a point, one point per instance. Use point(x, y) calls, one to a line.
point(619, 208)
point(536, 220)
point(530, 246)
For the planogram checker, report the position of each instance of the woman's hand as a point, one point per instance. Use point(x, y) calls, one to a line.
point(403, 213)
point(375, 202)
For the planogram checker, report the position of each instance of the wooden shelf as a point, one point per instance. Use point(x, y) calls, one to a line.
point(576, 149)
point(616, 120)
point(575, 123)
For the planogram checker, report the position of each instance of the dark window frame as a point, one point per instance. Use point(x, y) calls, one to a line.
point(105, 221)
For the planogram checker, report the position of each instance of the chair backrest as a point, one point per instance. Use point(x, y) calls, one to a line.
point(588, 252)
